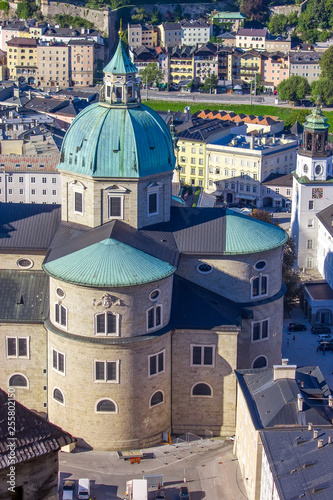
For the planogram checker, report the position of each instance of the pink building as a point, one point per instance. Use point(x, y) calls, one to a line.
point(82, 62)
point(274, 67)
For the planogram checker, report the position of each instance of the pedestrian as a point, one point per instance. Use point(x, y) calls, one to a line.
point(193, 98)
point(294, 338)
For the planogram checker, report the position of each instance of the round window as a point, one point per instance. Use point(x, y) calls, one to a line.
point(60, 293)
point(305, 169)
point(25, 263)
point(318, 169)
point(261, 264)
point(154, 295)
point(204, 268)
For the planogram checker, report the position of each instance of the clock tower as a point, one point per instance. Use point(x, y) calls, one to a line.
point(312, 187)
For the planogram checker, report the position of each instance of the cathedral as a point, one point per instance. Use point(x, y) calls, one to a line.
point(123, 317)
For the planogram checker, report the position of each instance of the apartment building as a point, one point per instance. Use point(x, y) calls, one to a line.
point(196, 32)
point(247, 65)
point(142, 56)
point(231, 21)
point(170, 34)
point(227, 39)
point(267, 124)
point(53, 65)
point(206, 62)
point(272, 401)
point(37, 30)
point(65, 35)
point(225, 63)
point(82, 62)
point(17, 29)
point(181, 64)
point(274, 67)
point(305, 63)
point(250, 38)
point(140, 35)
point(194, 136)
point(277, 43)
point(237, 164)
point(22, 59)
point(276, 190)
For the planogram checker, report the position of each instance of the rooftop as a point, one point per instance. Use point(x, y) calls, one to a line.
point(319, 290)
point(22, 42)
point(34, 436)
point(326, 218)
point(238, 117)
point(283, 180)
point(252, 32)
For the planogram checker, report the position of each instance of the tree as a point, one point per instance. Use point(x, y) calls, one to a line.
point(290, 276)
point(141, 15)
point(326, 64)
point(178, 13)
point(293, 88)
point(278, 24)
point(210, 83)
point(151, 74)
point(25, 9)
point(255, 10)
point(156, 17)
point(323, 88)
point(4, 6)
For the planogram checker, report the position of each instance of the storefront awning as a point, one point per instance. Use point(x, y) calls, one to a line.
point(245, 197)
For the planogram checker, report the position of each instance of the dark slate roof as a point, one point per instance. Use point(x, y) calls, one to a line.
point(46, 105)
point(279, 180)
point(252, 32)
point(201, 130)
point(299, 468)
point(171, 26)
point(319, 291)
point(297, 128)
point(28, 226)
point(116, 230)
point(273, 404)
point(24, 296)
point(195, 307)
point(326, 218)
point(34, 436)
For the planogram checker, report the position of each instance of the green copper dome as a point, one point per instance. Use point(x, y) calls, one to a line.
point(244, 235)
point(108, 263)
point(107, 141)
point(316, 120)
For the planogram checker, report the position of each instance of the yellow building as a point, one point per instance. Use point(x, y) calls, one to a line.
point(181, 64)
point(22, 59)
point(193, 138)
point(249, 65)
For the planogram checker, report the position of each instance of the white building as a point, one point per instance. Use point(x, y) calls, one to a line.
point(194, 32)
point(312, 192)
point(250, 38)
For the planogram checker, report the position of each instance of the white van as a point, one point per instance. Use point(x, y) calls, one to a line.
point(84, 489)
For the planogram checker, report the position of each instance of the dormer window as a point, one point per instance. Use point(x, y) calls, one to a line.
point(153, 198)
point(119, 92)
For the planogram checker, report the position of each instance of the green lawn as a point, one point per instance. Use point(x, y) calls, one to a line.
point(289, 115)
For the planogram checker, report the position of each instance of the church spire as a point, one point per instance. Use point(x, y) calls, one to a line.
point(120, 87)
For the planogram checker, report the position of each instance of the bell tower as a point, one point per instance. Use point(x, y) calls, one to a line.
point(314, 160)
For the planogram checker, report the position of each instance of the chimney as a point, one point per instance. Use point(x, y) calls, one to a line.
point(264, 140)
point(82, 31)
point(273, 139)
point(252, 147)
point(187, 112)
point(16, 92)
point(284, 361)
point(330, 400)
point(309, 426)
point(329, 440)
point(300, 402)
point(320, 443)
point(315, 433)
point(284, 371)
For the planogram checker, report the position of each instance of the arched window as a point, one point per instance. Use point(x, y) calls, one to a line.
point(260, 362)
point(202, 389)
point(259, 286)
point(157, 398)
point(154, 316)
point(106, 406)
point(18, 380)
point(107, 323)
point(58, 396)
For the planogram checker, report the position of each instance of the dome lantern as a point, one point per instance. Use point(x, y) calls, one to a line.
point(120, 87)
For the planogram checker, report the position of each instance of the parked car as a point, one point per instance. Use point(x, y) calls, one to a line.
point(320, 329)
point(183, 493)
point(325, 337)
point(68, 490)
point(325, 346)
point(296, 327)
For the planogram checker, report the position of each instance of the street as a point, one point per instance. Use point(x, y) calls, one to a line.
point(208, 466)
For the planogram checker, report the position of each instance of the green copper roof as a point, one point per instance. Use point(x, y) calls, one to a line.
point(247, 235)
point(316, 120)
point(120, 64)
point(105, 141)
point(228, 15)
point(109, 263)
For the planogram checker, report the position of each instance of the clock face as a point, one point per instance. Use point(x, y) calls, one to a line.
point(317, 193)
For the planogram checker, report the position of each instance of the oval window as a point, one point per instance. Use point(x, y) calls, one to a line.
point(60, 293)
point(154, 295)
point(318, 169)
point(305, 169)
point(261, 264)
point(25, 263)
point(204, 268)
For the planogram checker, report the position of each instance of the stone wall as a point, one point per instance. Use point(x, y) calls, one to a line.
point(9, 260)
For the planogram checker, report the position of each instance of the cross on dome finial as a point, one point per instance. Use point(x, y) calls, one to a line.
point(120, 32)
